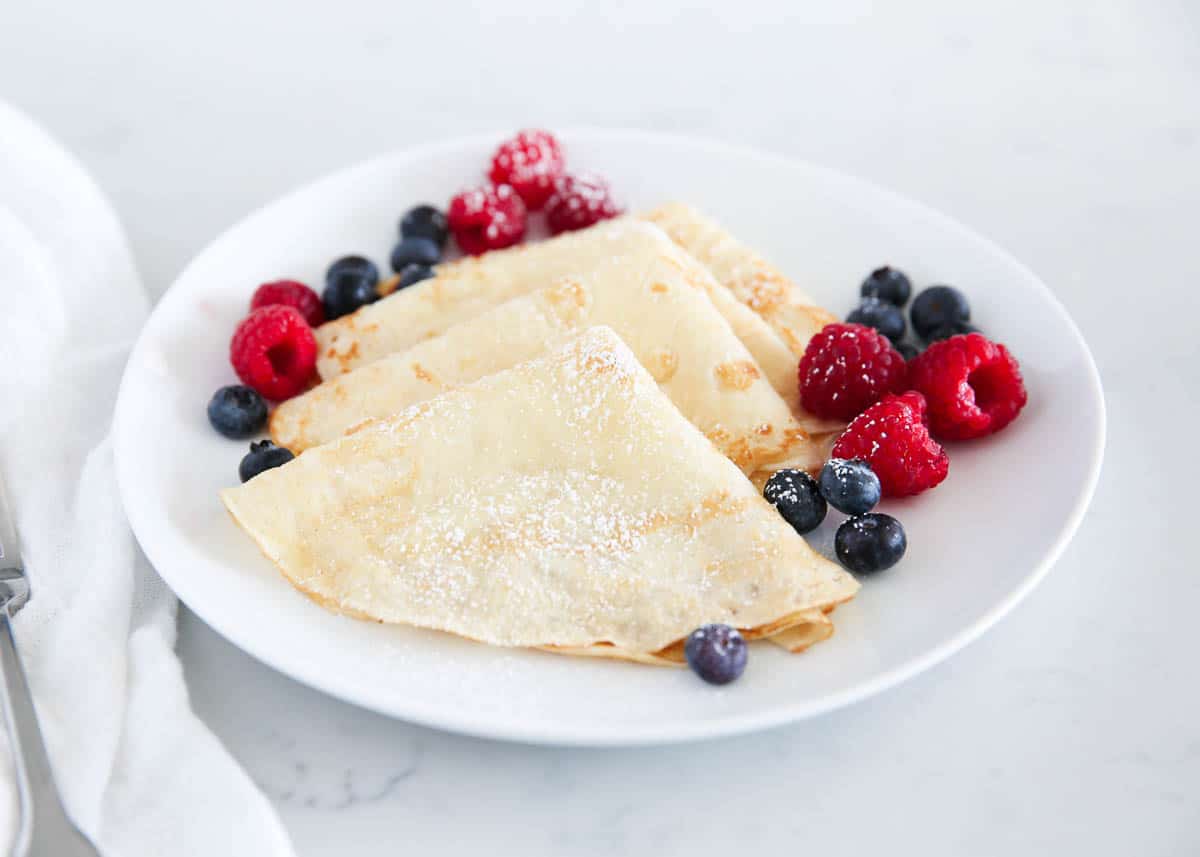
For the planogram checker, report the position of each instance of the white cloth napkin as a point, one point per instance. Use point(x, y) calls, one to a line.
point(138, 771)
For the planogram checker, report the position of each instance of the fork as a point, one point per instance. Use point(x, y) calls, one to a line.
point(44, 830)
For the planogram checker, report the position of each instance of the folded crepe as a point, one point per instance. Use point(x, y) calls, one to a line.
point(463, 290)
point(793, 317)
point(669, 324)
point(790, 312)
point(564, 504)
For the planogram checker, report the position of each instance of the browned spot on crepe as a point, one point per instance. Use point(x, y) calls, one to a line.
point(423, 374)
point(662, 363)
point(737, 374)
point(569, 292)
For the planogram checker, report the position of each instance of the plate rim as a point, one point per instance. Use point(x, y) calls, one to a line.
point(626, 735)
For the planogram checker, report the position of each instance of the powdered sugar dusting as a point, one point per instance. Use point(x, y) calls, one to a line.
point(563, 502)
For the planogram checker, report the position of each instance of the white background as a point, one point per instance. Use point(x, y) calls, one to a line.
point(1068, 132)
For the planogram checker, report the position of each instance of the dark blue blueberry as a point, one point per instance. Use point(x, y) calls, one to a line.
point(887, 318)
point(263, 455)
point(345, 296)
point(870, 543)
point(887, 284)
point(237, 411)
point(907, 350)
point(795, 494)
point(414, 273)
point(849, 486)
point(359, 266)
point(415, 251)
point(425, 221)
point(716, 653)
point(937, 306)
point(349, 283)
point(945, 331)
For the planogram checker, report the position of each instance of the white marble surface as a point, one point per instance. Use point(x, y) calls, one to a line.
point(1069, 132)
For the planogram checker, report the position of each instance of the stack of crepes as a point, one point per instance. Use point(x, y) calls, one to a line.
point(558, 446)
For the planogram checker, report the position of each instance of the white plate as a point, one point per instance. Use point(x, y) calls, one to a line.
point(977, 544)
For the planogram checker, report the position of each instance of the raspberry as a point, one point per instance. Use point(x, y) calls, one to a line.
point(846, 368)
point(973, 386)
point(274, 351)
point(293, 294)
point(579, 202)
point(892, 437)
point(486, 218)
point(529, 162)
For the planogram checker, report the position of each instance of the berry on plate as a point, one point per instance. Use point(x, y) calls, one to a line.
point(850, 486)
point(870, 543)
point(237, 412)
point(716, 653)
point(263, 455)
point(415, 251)
point(293, 294)
point(954, 328)
point(847, 368)
point(349, 284)
point(529, 162)
point(795, 494)
point(486, 218)
point(973, 386)
point(885, 317)
point(892, 437)
point(578, 202)
point(425, 221)
point(937, 306)
point(358, 266)
point(887, 284)
point(274, 351)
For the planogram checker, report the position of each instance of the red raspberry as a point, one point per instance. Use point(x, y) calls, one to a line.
point(973, 386)
point(579, 202)
point(846, 368)
point(293, 294)
point(892, 437)
point(274, 351)
point(486, 218)
point(530, 162)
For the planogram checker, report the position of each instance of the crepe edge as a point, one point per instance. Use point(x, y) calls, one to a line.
point(795, 632)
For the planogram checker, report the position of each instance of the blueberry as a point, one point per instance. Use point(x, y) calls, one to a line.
point(881, 315)
point(937, 306)
point(887, 284)
point(945, 331)
point(262, 456)
point(349, 283)
point(237, 411)
point(414, 273)
point(415, 251)
point(425, 221)
point(716, 653)
point(870, 543)
point(907, 350)
point(795, 494)
point(849, 486)
point(344, 297)
point(359, 266)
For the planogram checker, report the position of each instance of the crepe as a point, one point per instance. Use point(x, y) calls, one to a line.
point(669, 324)
point(623, 248)
point(612, 249)
point(564, 503)
point(791, 313)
